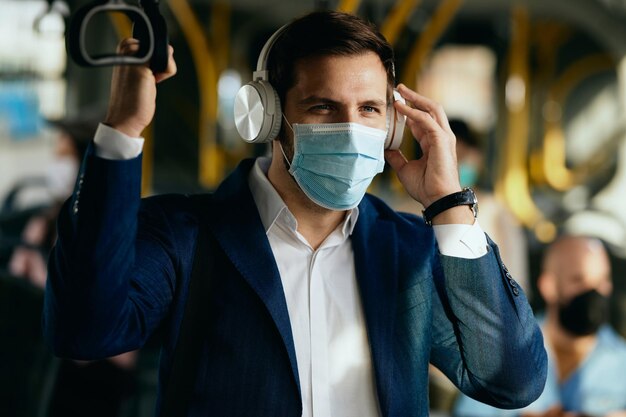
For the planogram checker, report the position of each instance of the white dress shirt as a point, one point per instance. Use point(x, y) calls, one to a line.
point(325, 311)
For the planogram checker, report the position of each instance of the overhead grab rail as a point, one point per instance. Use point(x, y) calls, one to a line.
point(148, 27)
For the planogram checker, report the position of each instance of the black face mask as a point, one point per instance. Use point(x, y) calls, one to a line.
point(585, 313)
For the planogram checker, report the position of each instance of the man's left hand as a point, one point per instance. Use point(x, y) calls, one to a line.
point(435, 174)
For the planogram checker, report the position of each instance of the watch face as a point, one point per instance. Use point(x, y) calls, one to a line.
point(472, 197)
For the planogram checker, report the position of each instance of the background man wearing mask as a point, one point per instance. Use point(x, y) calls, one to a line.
point(587, 357)
point(323, 301)
point(495, 218)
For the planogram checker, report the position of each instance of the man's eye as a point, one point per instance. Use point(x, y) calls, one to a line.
point(321, 107)
point(370, 109)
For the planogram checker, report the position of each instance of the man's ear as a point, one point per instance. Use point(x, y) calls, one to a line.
point(546, 284)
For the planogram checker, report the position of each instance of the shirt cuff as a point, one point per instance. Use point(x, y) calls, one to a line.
point(461, 240)
point(113, 144)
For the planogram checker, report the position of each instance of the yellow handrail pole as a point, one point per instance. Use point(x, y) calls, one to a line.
point(348, 6)
point(391, 29)
point(513, 183)
point(547, 37)
point(427, 39)
point(397, 19)
point(124, 29)
point(220, 34)
point(556, 173)
point(210, 164)
point(421, 49)
point(621, 83)
point(121, 24)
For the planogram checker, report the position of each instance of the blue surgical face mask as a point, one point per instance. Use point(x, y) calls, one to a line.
point(468, 174)
point(334, 163)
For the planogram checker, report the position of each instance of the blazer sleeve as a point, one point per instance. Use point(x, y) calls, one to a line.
point(111, 275)
point(485, 336)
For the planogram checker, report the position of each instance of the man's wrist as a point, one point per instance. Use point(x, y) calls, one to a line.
point(129, 130)
point(455, 215)
point(113, 144)
point(453, 208)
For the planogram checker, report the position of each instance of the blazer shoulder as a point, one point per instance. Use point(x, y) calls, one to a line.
point(385, 212)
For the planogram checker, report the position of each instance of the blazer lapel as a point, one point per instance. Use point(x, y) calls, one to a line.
point(238, 229)
point(374, 243)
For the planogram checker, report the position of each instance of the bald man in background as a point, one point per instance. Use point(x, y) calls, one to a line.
point(587, 358)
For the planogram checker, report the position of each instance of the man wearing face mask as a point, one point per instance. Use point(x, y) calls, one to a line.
point(322, 301)
point(587, 357)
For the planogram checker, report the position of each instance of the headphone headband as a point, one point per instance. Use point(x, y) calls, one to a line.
point(261, 66)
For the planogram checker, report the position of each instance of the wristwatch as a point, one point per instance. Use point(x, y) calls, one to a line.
point(465, 197)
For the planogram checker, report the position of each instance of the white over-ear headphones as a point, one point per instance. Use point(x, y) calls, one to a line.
point(395, 125)
point(258, 113)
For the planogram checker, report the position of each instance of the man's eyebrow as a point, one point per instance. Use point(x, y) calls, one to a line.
point(325, 100)
point(374, 103)
point(317, 99)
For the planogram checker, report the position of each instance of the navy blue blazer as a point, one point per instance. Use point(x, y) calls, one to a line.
point(121, 267)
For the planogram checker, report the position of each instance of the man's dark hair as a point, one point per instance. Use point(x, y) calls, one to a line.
point(464, 134)
point(321, 34)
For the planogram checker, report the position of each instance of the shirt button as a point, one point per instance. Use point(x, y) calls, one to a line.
point(515, 291)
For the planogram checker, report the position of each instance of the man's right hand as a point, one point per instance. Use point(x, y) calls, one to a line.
point(133, 92)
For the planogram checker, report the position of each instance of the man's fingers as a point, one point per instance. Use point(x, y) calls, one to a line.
point(426, 118)
point(420, 122)
point(426, 105)
point(171, 66)
point(128, 46)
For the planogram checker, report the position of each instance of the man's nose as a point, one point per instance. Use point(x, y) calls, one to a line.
point(348, 116)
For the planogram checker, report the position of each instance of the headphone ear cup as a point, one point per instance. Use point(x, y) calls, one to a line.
point(395, 124)
point(257, 112)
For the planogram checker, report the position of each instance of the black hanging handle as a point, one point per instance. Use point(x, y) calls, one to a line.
point(148, 27)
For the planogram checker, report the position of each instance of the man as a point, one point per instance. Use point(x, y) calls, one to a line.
point(588, 359)
point(322, 302)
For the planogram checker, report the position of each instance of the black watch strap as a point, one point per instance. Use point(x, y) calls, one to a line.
point(460, 198)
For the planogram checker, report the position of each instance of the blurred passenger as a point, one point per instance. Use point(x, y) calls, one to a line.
point(29, 259)
point(495, 218)
point(82, 388)
point(587, 373)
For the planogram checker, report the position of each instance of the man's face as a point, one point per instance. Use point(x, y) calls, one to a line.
point(336, 89)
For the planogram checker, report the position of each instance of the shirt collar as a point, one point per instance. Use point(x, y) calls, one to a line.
point(273, 209)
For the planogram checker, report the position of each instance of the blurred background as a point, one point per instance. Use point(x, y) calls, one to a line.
point(540, 85)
